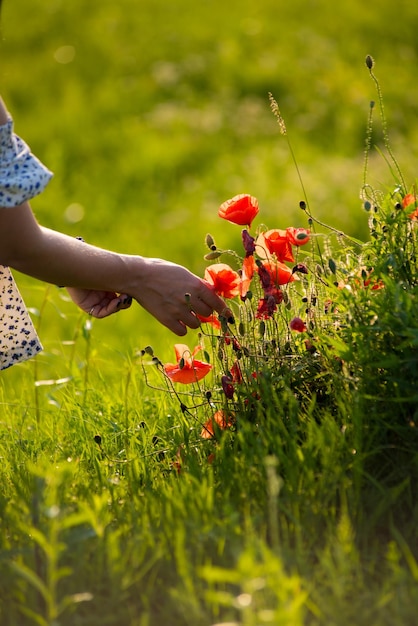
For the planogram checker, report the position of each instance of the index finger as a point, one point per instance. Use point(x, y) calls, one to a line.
point(209, 296)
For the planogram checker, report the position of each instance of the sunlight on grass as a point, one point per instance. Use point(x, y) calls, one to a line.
point(114, 509)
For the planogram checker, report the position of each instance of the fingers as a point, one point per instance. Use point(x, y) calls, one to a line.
point(212, 300)
point(108, 306)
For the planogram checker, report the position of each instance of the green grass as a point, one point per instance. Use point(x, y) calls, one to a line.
point(308, 514)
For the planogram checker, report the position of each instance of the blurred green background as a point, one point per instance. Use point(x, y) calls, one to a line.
point(151, 113)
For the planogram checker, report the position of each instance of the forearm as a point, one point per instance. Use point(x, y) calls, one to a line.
point(57, 258)
point(159, 286)
point(60, 259)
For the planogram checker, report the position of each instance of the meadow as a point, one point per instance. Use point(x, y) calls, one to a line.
point(151, 114)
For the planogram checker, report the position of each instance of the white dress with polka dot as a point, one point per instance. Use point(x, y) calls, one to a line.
point(22, 176)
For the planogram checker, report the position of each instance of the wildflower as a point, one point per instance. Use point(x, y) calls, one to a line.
point(275, 242)
point(407, 201)
point(247, 273)
point(298, 325)
point(268, 305)
point(224, 279)
point(211, 319)
point(227, 386)
point(298, 236)
point(248, 243)
point(187, 369)
point(279, 273)
point(300, 268)
point(240, 210)
point(369, 280)
point(266, 308)
point(236, 373)
point(373, 284)
point(221, 419)
point(264, 275)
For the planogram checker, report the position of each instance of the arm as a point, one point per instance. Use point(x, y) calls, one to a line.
point(157, 285)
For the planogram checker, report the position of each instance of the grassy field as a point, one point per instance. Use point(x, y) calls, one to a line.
point(151, 114)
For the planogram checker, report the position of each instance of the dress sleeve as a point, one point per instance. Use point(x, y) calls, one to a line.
point(22, 175)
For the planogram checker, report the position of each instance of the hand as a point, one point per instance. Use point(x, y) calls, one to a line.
point(175, 296)
point(99, 303)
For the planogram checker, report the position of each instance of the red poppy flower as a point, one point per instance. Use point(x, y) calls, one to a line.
point(187, 369)
point(369, 280)
point(279, 273)
point(211, 319)
point(224, 279)
point(275, 242)
point(236, 373)
point(239, 210)
point(247, 273)
point(297, 324)
point(266, 308)
point(374, 286)
point(221, 419)
point(407, 201)
point(227, 386)
point(298, 236)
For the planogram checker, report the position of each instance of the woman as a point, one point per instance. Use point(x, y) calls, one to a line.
point(99, 281)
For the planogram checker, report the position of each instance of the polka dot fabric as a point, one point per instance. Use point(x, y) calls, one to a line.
point(22, 176)
point(18, 338)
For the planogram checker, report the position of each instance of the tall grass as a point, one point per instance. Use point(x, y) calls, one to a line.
point(307, 514)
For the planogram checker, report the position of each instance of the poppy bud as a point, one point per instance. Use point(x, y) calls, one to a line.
point(302, 205)
point(98, 440)
point(369, 61)
point(248, 243)
point(301, 268)
point(212, 255)
point(209, 240)
point(332, 265)
point(227, 386)
point(149, 350)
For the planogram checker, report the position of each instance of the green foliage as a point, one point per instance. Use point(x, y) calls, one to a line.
point(151, 114)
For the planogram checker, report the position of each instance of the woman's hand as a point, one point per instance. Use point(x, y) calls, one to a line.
point(174, 295)
point(99, 303)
